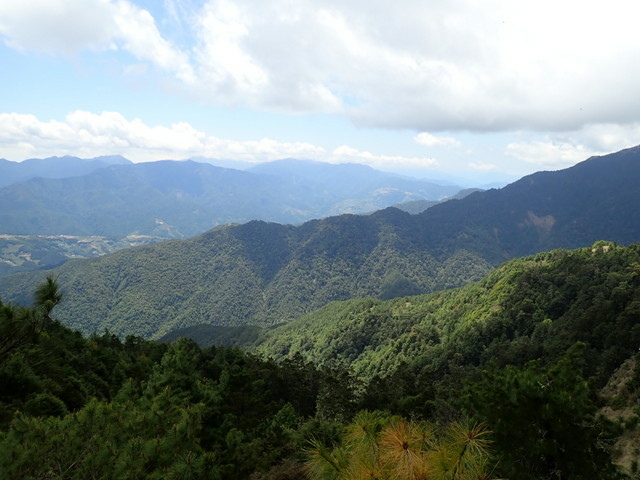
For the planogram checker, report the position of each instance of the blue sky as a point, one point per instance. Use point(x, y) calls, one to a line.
point(462, 90)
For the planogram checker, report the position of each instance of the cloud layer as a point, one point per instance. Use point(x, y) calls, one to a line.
point(494, 65)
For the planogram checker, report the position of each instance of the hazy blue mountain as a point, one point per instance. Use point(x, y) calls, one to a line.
point(224, 163)
point(54, 167)
point(177, 199)
point(350, 181)
point(416, 206)
point(166, 198)
point(111, 198)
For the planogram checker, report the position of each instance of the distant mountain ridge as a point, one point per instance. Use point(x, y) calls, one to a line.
point(569, 208)
point(54, 167)
point(418, 206)
point(266, 273)
point(174, 199)
point(340, 177)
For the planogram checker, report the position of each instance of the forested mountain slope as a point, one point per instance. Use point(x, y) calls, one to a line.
point(265, 273)
point(529, 308)
point(575, 207)
point(260, 273)
point(517, 341)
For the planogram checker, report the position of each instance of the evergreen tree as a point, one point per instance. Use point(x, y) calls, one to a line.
point(544, 420)
point(20, 325)
point(393, 448)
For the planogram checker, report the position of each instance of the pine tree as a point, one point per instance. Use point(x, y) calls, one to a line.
point(382, 448)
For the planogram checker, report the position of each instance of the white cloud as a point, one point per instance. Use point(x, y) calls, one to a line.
point(549, 155)
point(66, 26)
point(561, 150)
point(137, 31)
point(71, 26)
point(482, 167)
point(223, 62)
point(495, 65)
point(479, 66)
point(608, 137)
point(429, 140)
point(87, 134)
point(346, 154)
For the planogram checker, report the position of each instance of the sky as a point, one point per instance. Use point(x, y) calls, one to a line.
point(472, 91)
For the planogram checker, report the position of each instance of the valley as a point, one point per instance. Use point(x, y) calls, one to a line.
point(23, 253)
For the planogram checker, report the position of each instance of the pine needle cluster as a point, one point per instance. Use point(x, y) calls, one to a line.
point(375, 447)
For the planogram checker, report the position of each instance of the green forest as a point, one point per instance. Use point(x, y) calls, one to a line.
point(286, 271)
point(531, 373)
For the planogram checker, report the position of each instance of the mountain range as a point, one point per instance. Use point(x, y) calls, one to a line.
point(54, 167)
point(268, 273)
point(58, 208)
point(111, 196)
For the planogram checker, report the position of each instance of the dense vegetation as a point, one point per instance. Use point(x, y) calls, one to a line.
point(99, 407)
point(525, 366)
point(78, 408)
point(540, 335)
point(384, 448)
point(529, 308)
